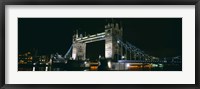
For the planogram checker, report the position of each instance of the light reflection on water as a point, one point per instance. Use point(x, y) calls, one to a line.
point(96, 68)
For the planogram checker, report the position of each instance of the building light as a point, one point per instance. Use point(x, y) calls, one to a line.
point(34, 63)
point(127, 65)
point(123, 57)
point(118, 42)
point(154, 65)
point(99, 56)
point(85, 62)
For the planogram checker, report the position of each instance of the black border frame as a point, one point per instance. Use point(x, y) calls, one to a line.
point(99, 2)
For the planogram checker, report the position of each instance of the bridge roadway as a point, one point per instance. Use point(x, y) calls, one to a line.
point(143, 61)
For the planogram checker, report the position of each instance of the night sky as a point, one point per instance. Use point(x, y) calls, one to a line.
point(160, 37)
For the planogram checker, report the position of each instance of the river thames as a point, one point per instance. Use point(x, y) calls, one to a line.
point(115, 67)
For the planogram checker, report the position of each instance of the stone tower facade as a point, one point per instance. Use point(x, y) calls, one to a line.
point(79, 49)
point(113, 35)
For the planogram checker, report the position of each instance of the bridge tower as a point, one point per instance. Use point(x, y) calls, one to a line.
point(113, 33)
point(79, 48)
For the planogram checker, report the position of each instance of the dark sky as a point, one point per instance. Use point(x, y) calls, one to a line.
point(161, 37)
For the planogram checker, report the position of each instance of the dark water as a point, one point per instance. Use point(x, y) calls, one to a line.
point(164, 67)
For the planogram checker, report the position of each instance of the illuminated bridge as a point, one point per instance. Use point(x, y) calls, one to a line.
point(115, 48)
point(119, 54)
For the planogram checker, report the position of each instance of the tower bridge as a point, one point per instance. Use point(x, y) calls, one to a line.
point(115, 48)
point(118, 54)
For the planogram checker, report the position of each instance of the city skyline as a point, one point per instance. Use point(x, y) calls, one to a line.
point(161, 37)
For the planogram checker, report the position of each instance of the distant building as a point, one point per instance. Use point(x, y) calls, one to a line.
point(43, 59)
point(25, 58)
